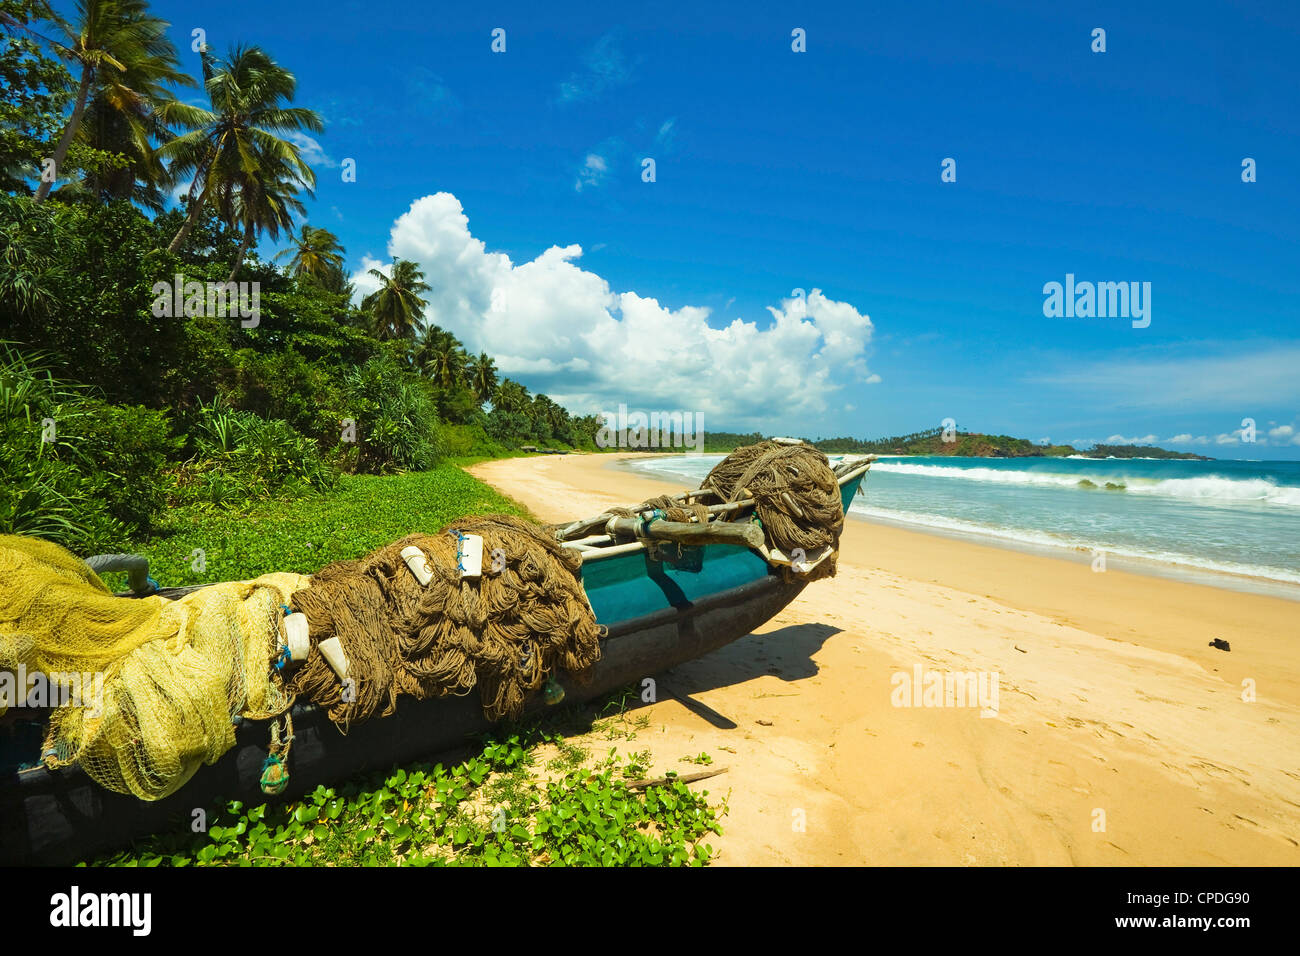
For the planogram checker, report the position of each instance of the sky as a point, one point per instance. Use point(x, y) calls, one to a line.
point(798, 263)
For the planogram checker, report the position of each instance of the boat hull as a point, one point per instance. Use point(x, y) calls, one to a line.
point(62, 817)
point(662, 607)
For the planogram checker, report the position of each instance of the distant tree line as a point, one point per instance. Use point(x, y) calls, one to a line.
point(877, 446)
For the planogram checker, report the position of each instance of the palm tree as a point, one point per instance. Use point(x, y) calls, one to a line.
point(441, 356)
point(425, 345)
point(264, 207)
point(234, 144)
point(129, 136)
point(316, 252)
point(482, 376)
point(337, 282)
point(449, 362)
point(396, 305)
point(124, 50)
point(510, 396)
point(547, 415)
point(122, 120)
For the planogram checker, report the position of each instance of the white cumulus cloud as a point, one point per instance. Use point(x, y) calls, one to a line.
point(562, 330)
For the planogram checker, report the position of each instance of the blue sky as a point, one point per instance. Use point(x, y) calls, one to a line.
point(778, 170)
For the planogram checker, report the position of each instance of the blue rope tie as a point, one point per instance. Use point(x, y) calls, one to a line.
point(284, 657)
point(460, 557)
point(655, 515)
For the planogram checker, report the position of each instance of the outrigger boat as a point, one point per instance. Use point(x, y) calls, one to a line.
point(667, 593)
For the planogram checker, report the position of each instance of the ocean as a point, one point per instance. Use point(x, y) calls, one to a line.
point(1232, 523)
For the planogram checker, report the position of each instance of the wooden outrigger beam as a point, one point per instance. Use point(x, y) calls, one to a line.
point(594, 547)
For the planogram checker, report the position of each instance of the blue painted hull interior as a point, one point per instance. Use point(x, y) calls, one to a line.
point(635, 584)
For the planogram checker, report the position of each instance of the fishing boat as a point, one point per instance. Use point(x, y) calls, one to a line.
point(666, 592)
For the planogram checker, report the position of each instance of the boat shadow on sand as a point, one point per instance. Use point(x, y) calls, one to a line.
point(785, 653)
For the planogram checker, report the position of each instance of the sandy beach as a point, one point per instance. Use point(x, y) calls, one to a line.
point(1120, 737)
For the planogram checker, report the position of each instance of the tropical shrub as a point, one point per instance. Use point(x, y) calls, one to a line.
point(239, 457)
point(510, 429)
point(394, 418)
point(129, 446)
point(88, 272)
point(285, 385)
point(73, 468)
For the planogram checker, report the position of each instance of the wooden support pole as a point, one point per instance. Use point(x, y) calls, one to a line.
point(689, 533)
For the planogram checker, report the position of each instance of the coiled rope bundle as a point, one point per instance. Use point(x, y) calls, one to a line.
point(796, 496)
point(503, 631)
point(669, 507)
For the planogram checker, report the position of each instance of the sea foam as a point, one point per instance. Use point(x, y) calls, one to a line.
point(1209, 489)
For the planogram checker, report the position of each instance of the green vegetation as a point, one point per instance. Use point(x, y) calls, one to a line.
point(929, 442)
point(233, 153)
point(498, 808)
point(130, 385)
point(723, 442)
point(123, 64)
point(148, 404)
point(303, 534)
point(934, 442)
point(72, 467)
point(396, 307)
point(37, 93)
point(672, 443)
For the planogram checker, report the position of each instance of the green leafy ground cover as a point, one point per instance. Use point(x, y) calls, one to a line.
point(303, 534)
point(532, 796)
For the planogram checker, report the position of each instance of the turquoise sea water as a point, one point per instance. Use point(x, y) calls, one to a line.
point(1236, 518)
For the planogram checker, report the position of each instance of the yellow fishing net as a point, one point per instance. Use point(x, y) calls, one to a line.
point(157, 682)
